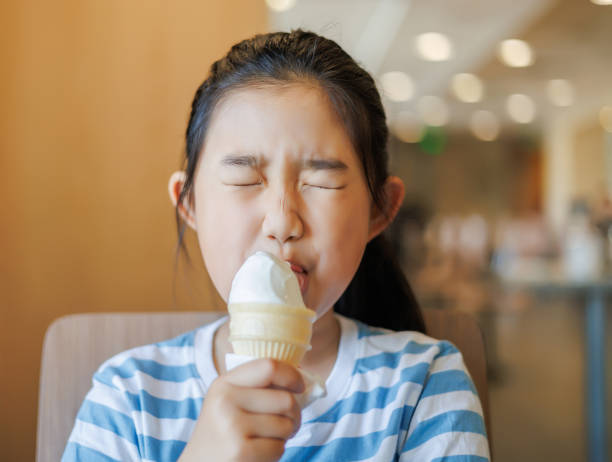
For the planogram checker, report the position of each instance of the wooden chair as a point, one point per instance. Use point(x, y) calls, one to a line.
point(76, 345)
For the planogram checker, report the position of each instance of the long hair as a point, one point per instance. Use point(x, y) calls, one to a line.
point(379, 293)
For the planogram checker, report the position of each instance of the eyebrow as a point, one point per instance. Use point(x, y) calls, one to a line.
point(325, 164)
point(247, 160)
point(240, 160)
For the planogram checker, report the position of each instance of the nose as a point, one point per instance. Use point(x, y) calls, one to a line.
point(282, 221)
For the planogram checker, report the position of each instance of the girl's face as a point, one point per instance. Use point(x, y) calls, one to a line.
point(278, 173)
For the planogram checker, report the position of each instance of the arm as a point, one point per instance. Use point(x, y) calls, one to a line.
point(447, 423)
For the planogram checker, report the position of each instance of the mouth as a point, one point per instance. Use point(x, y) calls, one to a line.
point(302, 276)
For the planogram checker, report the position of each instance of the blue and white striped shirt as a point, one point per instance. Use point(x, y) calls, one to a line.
point(391, 396)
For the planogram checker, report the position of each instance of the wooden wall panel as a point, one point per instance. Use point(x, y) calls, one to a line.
point(95, 98)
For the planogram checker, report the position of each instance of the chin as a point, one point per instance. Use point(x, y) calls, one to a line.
point(322, 311)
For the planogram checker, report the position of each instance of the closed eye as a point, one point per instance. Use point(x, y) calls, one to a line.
point(318, 186)
point(243, 184)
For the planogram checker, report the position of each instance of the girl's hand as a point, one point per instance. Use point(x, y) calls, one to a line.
point(247, 414)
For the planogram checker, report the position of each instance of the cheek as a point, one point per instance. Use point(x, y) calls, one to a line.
point(340, 244)
point(348, 233)
point(225, 230)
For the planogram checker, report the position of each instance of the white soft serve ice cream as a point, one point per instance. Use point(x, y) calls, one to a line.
point(268, 317)
point(263, 278)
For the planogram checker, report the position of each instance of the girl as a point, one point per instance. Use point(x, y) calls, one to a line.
point(286, 153)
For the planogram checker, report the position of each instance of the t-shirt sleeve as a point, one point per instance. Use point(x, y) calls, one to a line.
point(447, 423)
point(104, 430)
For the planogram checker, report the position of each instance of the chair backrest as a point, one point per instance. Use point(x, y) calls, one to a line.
point(76, 345)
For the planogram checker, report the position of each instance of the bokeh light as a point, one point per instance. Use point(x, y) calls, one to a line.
point(521, 108)
point(408, 127)
point(397, 86)
point(515, 53)
point(433, 111)
point(467, 88)
point(433, 46)
point(484, 125)
point(280, 5)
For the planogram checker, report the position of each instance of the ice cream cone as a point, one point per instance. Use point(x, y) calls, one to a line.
point(268, 318)
point(276, 331)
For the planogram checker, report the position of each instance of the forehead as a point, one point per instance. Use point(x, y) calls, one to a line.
point(296, 118)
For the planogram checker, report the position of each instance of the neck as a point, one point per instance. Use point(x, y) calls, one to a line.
point(319, 360)
point(325, 340)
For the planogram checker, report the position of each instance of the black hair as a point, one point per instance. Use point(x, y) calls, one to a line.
point(379, 294)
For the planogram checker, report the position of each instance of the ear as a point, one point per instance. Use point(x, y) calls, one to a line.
point(394, 195)
point(185, 209)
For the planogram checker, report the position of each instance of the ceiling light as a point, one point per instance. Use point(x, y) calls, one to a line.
point(467, 88)
point(433, 46)
point(605, 117)
point(560, 92)
point(602, 2)
point(484, 125)
point(280, 5)
point(397, 86)
point(515, 53)
point(433, 111)
point(408, 127)
point(521, 108)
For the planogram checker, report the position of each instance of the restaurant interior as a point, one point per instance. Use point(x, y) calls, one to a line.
point(500, 120)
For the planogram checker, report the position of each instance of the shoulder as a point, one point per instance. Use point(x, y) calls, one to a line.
point(386, 348)
point(444, 416)
point(153, 375)
point(435, 366)
point(170, 360)
point(134, 397)
point(149, 382)
point(132, 392)
point(403, 389)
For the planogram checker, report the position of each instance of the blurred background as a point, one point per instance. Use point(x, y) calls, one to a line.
point(501, 119)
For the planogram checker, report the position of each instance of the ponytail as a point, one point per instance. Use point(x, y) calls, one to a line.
point(379, 294)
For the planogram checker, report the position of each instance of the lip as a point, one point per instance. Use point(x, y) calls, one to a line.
point(296, 268)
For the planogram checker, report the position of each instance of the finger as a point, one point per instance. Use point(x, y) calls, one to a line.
point(267, 401)
point(263, 450)
point(262, 373)
point(268, 426)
